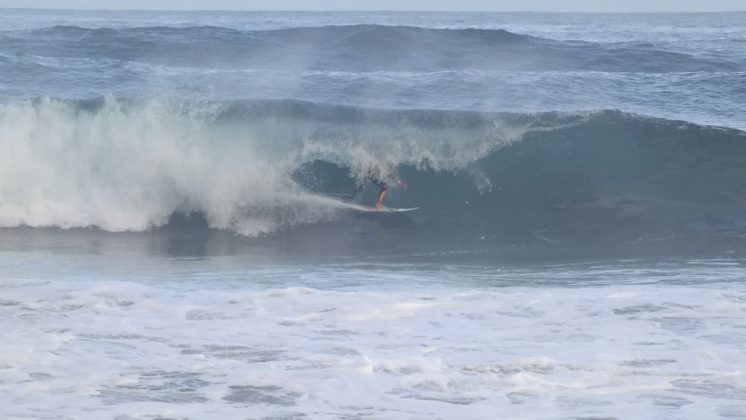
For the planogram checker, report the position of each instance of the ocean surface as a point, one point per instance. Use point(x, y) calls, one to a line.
point(173, 244)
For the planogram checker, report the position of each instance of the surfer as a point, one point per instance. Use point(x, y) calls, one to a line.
point(374, 176)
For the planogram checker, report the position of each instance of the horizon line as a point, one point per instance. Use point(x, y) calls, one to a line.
point(375, 10)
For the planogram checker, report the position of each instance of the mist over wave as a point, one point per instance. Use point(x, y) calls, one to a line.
point(383, 66)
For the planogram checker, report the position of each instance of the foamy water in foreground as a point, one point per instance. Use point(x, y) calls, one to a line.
point(129, 337)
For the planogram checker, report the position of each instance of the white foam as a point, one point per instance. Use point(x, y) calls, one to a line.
point(145, 343)
point(126, 166)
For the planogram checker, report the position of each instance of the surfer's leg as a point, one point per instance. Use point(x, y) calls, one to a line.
point(381, 194)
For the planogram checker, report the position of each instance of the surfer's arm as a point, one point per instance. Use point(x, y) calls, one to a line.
point(398, 182)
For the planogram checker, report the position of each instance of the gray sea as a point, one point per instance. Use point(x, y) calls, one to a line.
point(173, 244)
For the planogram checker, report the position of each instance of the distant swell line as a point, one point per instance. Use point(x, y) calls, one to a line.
point(354, 48)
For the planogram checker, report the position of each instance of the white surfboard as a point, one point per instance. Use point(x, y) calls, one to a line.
point(383, 209)
point(370, 209)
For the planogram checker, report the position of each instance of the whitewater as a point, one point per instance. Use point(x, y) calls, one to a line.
point(173, 245)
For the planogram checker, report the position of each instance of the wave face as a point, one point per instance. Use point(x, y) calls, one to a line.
point(261, 169)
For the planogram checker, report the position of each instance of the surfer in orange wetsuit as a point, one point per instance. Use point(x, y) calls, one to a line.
point(374, 176)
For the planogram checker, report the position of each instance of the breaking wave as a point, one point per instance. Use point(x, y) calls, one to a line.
point(265, 168)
